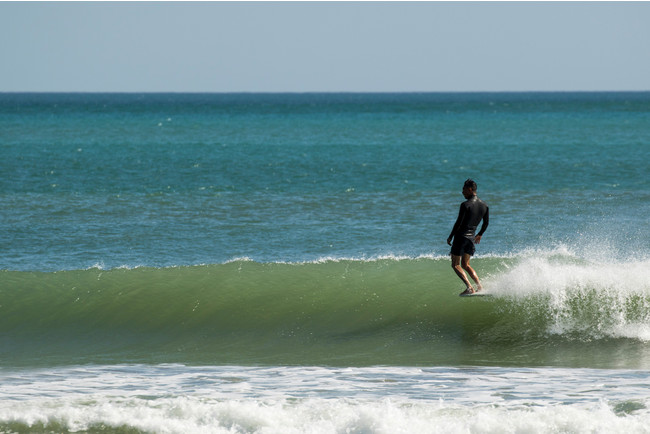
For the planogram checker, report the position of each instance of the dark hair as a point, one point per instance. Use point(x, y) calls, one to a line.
point(470, 184)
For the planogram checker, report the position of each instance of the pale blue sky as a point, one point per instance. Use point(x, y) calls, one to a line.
point(338, 46)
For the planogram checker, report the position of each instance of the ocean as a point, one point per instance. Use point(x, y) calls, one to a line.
point(277, 263)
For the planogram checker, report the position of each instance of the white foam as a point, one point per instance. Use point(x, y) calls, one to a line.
point(180, 399)
point(185, 415)
point(239, 259)
point(604, 297)
point(367, 259)
point(97, 266)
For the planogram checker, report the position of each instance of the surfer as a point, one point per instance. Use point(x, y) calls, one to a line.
point(472, 211)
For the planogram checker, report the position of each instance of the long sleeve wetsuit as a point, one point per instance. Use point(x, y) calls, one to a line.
point(472, 211)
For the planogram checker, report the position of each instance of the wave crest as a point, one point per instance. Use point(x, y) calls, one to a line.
point(388, 310)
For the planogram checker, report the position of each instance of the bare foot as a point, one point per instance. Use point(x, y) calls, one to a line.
point(468, 291)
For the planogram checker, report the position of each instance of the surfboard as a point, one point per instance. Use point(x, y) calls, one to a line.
point(475, 294)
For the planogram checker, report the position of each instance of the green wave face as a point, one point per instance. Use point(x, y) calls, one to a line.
point(548, 309)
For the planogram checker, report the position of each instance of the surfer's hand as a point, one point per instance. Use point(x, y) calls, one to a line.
point(449, 241)
point(478, 238)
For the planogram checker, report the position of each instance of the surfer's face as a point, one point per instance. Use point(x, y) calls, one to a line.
point(468, 192)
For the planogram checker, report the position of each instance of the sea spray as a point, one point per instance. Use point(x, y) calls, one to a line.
point(579, 298)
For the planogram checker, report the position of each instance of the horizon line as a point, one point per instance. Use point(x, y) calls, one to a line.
point(311, 92)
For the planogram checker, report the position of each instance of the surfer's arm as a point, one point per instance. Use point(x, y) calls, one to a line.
point(456, 225)
point(484, 226)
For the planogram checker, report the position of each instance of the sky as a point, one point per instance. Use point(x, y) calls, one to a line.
point(324, 47)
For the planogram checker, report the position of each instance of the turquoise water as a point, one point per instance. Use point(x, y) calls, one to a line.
point(162, 180)
point(233, 236)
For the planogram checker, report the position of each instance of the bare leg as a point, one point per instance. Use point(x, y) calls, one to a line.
point(470, 271)
point(455, 264)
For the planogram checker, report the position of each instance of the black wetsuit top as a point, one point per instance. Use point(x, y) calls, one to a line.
point(472, 211)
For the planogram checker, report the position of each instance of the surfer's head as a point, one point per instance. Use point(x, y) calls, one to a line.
point(469, 183)
point(469, 188)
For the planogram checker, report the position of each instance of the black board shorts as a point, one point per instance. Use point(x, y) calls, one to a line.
point(461, 246)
